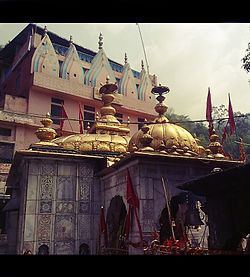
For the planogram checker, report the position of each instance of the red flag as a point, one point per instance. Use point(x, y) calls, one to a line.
point(63, 115)
point(132, 198)
point(230, 121)
point(209, 113)
point(231, 117)
point(133, 201)
point(81, 119)
point(103, 228)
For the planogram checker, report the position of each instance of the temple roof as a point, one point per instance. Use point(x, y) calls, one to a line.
point(61, 46)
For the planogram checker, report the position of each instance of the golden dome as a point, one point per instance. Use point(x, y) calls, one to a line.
point(94, 142)
point(106, 135)
point(162, 135)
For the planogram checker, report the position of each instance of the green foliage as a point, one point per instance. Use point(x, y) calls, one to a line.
point(200, 129)
point(246, 60)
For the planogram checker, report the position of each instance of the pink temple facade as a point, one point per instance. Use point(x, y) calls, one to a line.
point(41, 71)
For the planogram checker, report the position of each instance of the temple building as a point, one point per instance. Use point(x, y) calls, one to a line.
point(58, 186)
point(41, 72)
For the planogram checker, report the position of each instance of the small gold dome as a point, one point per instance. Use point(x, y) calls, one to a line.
point(162, 135)
point(94, 142)
point(106, 135)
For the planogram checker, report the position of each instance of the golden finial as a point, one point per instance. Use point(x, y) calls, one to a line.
point(215, 147)
point(108, 123)
point(88, 126)
point(201, 148)
point(128, 122)
point(160, 108)
point(45, 134)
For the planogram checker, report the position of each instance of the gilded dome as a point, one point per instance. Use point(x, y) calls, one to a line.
point(167, 137)
point(106, 135)
point(94, 142)
point(162, 135)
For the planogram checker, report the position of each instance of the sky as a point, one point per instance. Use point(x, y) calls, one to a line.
point(186, 57)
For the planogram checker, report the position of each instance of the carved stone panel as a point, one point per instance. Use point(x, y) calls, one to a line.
point(65, 207)
point(64, 227)
point(84, 227)
point(45, 206)
point(84, 187)
point(48, 168)
point(46, 187)
point(85, 170)
point(65, 187)
point(64, 247)
point(84, 207)
point(44, 227)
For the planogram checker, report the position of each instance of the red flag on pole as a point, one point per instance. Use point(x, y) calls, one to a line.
point(230, 121)
point(209, 113)
point(63, 115)
point(231, 116)
point(132, 198)
point(133, 201)
point(81, 119)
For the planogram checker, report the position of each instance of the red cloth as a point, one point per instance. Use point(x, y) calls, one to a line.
point(133, 201)
point(209, 113)
point(132, 198)
point(230, 121)
point(63, 115)
point(80, 119)
point(231, 117)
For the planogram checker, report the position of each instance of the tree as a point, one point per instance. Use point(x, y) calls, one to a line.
point(246, 60)
point(220, 115)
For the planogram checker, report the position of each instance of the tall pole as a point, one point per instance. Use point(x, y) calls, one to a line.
point(168, 209)
point(143, 47)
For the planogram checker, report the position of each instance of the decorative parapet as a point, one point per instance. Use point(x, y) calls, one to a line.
point(53, 83)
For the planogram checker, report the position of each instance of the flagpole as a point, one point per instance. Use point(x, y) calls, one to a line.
point(168, 209)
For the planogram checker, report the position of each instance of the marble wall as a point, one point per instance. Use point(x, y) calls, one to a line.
point(60, 206)
point(146, 177)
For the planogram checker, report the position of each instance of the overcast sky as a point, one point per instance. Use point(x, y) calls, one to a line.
point(186, 57)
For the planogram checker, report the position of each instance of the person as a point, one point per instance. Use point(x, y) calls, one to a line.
point(27, 252)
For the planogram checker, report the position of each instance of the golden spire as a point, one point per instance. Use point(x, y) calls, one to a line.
point(160, 108)
point(214, 148)
point(45, 134)
point(108, 123)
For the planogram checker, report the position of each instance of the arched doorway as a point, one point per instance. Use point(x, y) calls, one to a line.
point(84, 249)
point(43, 250)
point(116, 216)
